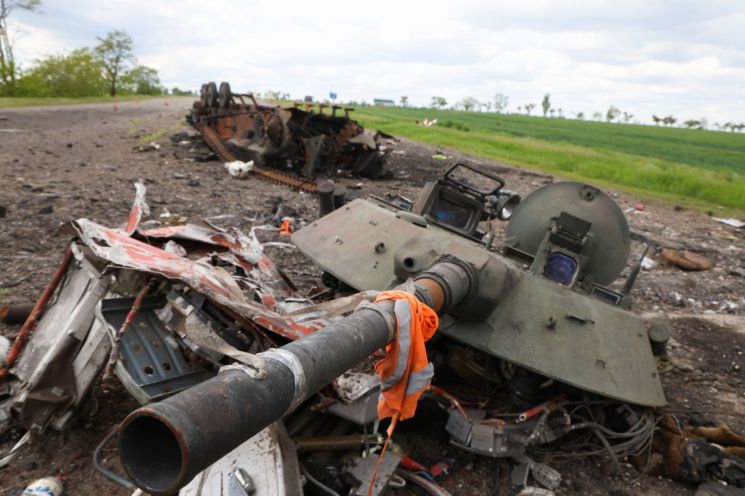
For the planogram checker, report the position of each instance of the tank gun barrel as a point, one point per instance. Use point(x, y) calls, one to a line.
point(165, 445)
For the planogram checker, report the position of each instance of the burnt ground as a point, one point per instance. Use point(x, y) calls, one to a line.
point(68, 162)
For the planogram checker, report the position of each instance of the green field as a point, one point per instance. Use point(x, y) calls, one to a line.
point(10, 102)
point(699, 168)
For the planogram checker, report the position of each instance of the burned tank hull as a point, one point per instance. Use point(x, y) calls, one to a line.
point(308, 141)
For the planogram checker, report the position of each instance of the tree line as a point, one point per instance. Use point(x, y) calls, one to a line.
point(500, 103)
point(108, 68)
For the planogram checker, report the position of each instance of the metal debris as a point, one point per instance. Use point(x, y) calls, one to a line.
point(216, 320)
point(15, 314)
point(686, 260)
point(730, 221)
point(362, 470)
point(290, 145)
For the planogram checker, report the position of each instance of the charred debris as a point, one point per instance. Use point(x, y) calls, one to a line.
point(291, 145)
point(537, 357)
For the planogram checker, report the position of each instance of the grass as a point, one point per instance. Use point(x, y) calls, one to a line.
point(10, 102)
point(4, 294)
point(702, 169)
point(696, 168)
point(161, 132)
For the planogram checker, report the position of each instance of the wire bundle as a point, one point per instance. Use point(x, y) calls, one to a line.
point(595, 438)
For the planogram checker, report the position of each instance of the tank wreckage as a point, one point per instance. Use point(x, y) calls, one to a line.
point(290, 145)
point(244, 382)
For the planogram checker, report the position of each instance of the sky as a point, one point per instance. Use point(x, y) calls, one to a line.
point(676, 57)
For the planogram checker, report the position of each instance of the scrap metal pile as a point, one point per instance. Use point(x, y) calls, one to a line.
point(290, 145)
point(537, 359)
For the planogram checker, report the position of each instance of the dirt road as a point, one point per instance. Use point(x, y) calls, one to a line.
point(62, 163)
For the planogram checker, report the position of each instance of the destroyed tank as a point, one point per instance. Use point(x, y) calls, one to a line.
point(289, 145)
point(543, 302)
point(544, 309)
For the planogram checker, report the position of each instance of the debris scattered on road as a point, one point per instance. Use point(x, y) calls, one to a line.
point(4, 349)
point(730, 221)
point(716, 488)
point(238, 169)
point(648, 263)
point(687, 260)
point(48, 486)
point(152, 146)
point(696, 454)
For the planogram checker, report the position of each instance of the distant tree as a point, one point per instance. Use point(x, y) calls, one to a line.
point(468, 104)
point(546, 104)
point(597, 116)
point(283, 96)
point(500, 102)
point(669, 120)
point(560, 113)
point(627, 117)
point(656, 120)
point(486, 106)
point(114, 52)
point(8, 68)
point(552, 112)
point(176, 91)
point(77, 74)
point(580, 116)
point(439, 102)
point(404, 101)
point(612, 113)
point(529, 108)
point(691, 123)
point(141, 80)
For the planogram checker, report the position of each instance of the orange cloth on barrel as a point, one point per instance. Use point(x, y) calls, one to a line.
point(395, 401)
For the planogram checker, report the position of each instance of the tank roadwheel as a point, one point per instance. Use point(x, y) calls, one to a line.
point(211, 94)
point(203, 96)
point(225, 96)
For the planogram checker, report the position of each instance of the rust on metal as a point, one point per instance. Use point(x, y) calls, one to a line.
point(436, 290)
point(28, 326)
point(287, 145)
point(214, 141)
point(15, 314)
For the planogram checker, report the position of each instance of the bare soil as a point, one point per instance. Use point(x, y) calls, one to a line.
point(63, 163)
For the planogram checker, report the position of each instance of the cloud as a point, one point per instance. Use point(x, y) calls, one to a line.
point(643, 56)
point(33, 41)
